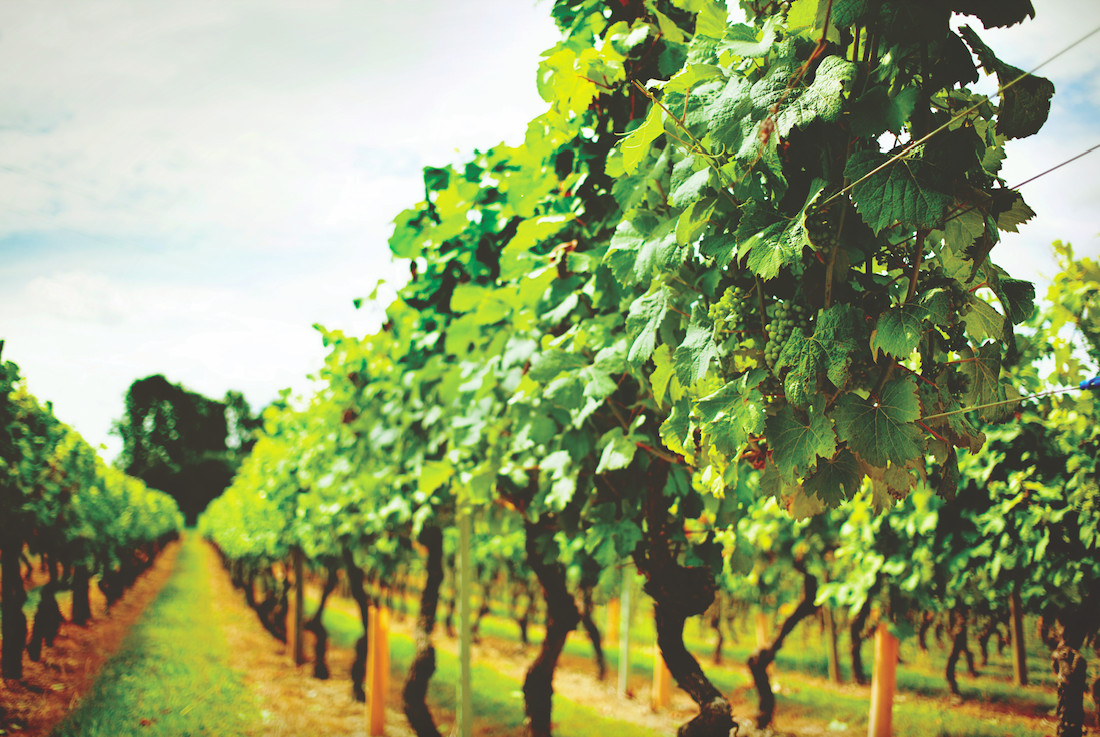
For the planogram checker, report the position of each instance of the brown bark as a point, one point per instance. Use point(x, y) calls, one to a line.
point(716, 625)
point(593, 632)
point(15, 622)
point(760, 660)
point(679, 592)
point(316, 625)
point(1019, 653)
point(989, 629)
point(855, 640)
point(47, 621)
point(958, 647)
point(423, 666)
point(562, 617)
point(1070, 670)
point(82, 606)
point(362, 645)
point(926, 620)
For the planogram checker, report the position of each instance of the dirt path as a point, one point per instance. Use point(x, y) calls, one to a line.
point(49, 689)
point(293, 702)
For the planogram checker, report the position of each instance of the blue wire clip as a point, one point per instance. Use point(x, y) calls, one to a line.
point(1093, 384)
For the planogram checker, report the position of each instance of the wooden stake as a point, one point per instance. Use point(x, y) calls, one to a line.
point(1019, 653)
point(883, 682)
point(662, 682)
point(762, 629)
point(613, 616)
point(378, 669)
point(465, 634)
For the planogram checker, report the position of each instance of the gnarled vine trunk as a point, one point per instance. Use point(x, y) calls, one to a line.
point(423, 666)
point(362, 645)
point(15, 622)
point(679, 592)
point(316, 625)
point(47, 620)
point(1071, 670)
point(82, 605)
point(562, 617)
point(855, 640)
point(760, 660)
point(593, 631)
point(958, 647)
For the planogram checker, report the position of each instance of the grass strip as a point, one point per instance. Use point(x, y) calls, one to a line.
point(170, 677)
point(497, 698)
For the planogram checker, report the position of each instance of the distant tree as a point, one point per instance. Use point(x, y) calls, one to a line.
point(182, 442)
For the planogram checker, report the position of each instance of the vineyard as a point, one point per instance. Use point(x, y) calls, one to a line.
point(716, 367)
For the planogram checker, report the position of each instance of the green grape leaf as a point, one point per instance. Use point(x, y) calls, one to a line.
point(983, 321)
point(721, 247)
point(1018, 298)
point(727, 111)
point(676, 429)
point(636, 256)
point(734, 412)
point(875, 112)
point(822, 100)
point(955, 427)
point(433, 474)
point(836, 479)
point(830, 349)
point(692, 358)
point(907, 191)
point(984, 374)
point(646, 315)
point(995, 13)
point(963, 228)
point(769, 240)
point(898, 330)
point(796, 445)
point(662, 373)
point(741, 41)
point(616, 451)
point(1025, 105)
point(548, 364)
point(882, 431)
point(635, 147)
point(1010, 218)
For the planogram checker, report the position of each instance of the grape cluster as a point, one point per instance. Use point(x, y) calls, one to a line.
point(785, 318)
point(730, 312)
point(953, 338)
point(821, 224)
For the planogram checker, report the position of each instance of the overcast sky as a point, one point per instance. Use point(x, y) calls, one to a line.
point(186, 186)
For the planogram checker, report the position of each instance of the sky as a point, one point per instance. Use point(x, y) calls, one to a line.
point(187, 186)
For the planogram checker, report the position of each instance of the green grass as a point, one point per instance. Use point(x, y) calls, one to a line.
point(170, 677)
point(497, 699)
point(922, 709)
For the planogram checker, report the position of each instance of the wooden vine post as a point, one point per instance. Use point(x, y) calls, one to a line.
point(662, 682)
point(465, 635)
point(1019, 653)
point(883, 682)
point(613, 615)
point(378, 670)
point(761, 629)
point(297, 628)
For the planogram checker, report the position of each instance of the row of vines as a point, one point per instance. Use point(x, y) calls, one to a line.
point(729, 317)
point(81, 519)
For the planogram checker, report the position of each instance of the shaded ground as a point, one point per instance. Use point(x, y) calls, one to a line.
point(33, 705)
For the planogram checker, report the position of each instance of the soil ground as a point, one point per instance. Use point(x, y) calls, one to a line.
point(33, 705)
